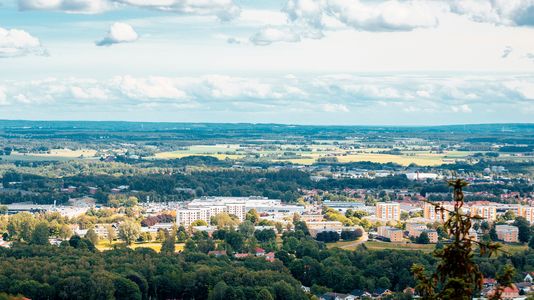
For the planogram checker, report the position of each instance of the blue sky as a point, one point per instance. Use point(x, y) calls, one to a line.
point(291, 61)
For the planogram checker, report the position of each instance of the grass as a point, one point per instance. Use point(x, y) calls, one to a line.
point(428, 248)
point(374, 245)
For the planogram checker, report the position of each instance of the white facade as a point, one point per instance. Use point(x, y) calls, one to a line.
point(205, 208)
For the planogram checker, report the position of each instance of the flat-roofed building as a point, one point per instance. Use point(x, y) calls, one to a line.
point(430, 213)
point(526, 212)
point(415, 230)
point(206, 207)
point(388, 211)
point(391, 233)
point(488, 212)
point(507, 233)
point(315, 227)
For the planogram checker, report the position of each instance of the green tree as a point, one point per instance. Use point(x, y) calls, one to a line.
point(40, 234)
point(493, 234)
point(246, 228)
point(252, 216)
point(65, 232)
point(168, 245)
point(457, 276)
point(524, 229)
point(20, 226)
point(129, 231)
point(92, 236)
point(423, 238)
point(199, 223)
point(531, 243)
point(219, 291)
point(264, 294)
point(111, 233)
point(126, 289)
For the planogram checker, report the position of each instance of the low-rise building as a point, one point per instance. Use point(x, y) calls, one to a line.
point(391, 233)
point(316, 227)
point(507, 233)
point(415, 230)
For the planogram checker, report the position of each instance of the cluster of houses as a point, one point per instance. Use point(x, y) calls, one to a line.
point(516, 291)
point(258, 252)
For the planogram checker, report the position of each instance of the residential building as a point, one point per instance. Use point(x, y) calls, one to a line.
point(316, 227)
point(391, 233)
point(488, 212)
point(388, 211)
point(415, 230)
point(507, 233)
point(430, 213)
point(526, 212)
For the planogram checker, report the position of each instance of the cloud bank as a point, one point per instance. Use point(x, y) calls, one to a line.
point(16, 42)
point(224, 9)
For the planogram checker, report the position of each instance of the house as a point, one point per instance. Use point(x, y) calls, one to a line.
point(217, 253)
point(380, 293)
point(269, 256)
point(507, 233)
point(509, 292)
point(528, 278)
point(360, 294)
point(259, 251)
point(489, 282)
point(524, 287)
point(241, 255)
point(92, 190)
point(337, 296)
point(391, 233)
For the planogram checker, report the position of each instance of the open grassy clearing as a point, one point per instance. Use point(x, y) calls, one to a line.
point(156, 246)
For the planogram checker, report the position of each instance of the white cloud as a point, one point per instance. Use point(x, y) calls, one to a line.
point(464, 108)
point(391, 15)
point(269, 35)
point(89, 93)
point(15, 42)
point(3, 97)
point(333, 107)
point(507, 50)
point(69, 6)
point(223, 9)
point(119, 33)
point(148, 88)
point(501, 12)
point(384, 98)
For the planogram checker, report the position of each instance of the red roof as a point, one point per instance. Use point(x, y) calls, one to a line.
point(260, 250)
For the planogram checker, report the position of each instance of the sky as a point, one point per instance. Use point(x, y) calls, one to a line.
point(347, 62)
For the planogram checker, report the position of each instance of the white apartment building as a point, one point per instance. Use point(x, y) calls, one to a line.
point(206, 207)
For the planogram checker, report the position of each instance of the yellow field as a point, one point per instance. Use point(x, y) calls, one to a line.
point(178, 154)
point(231, 151)
point(68, 153)
point(104, 245)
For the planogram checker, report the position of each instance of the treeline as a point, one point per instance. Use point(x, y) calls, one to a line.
point(281, 184)
point(67, 272)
